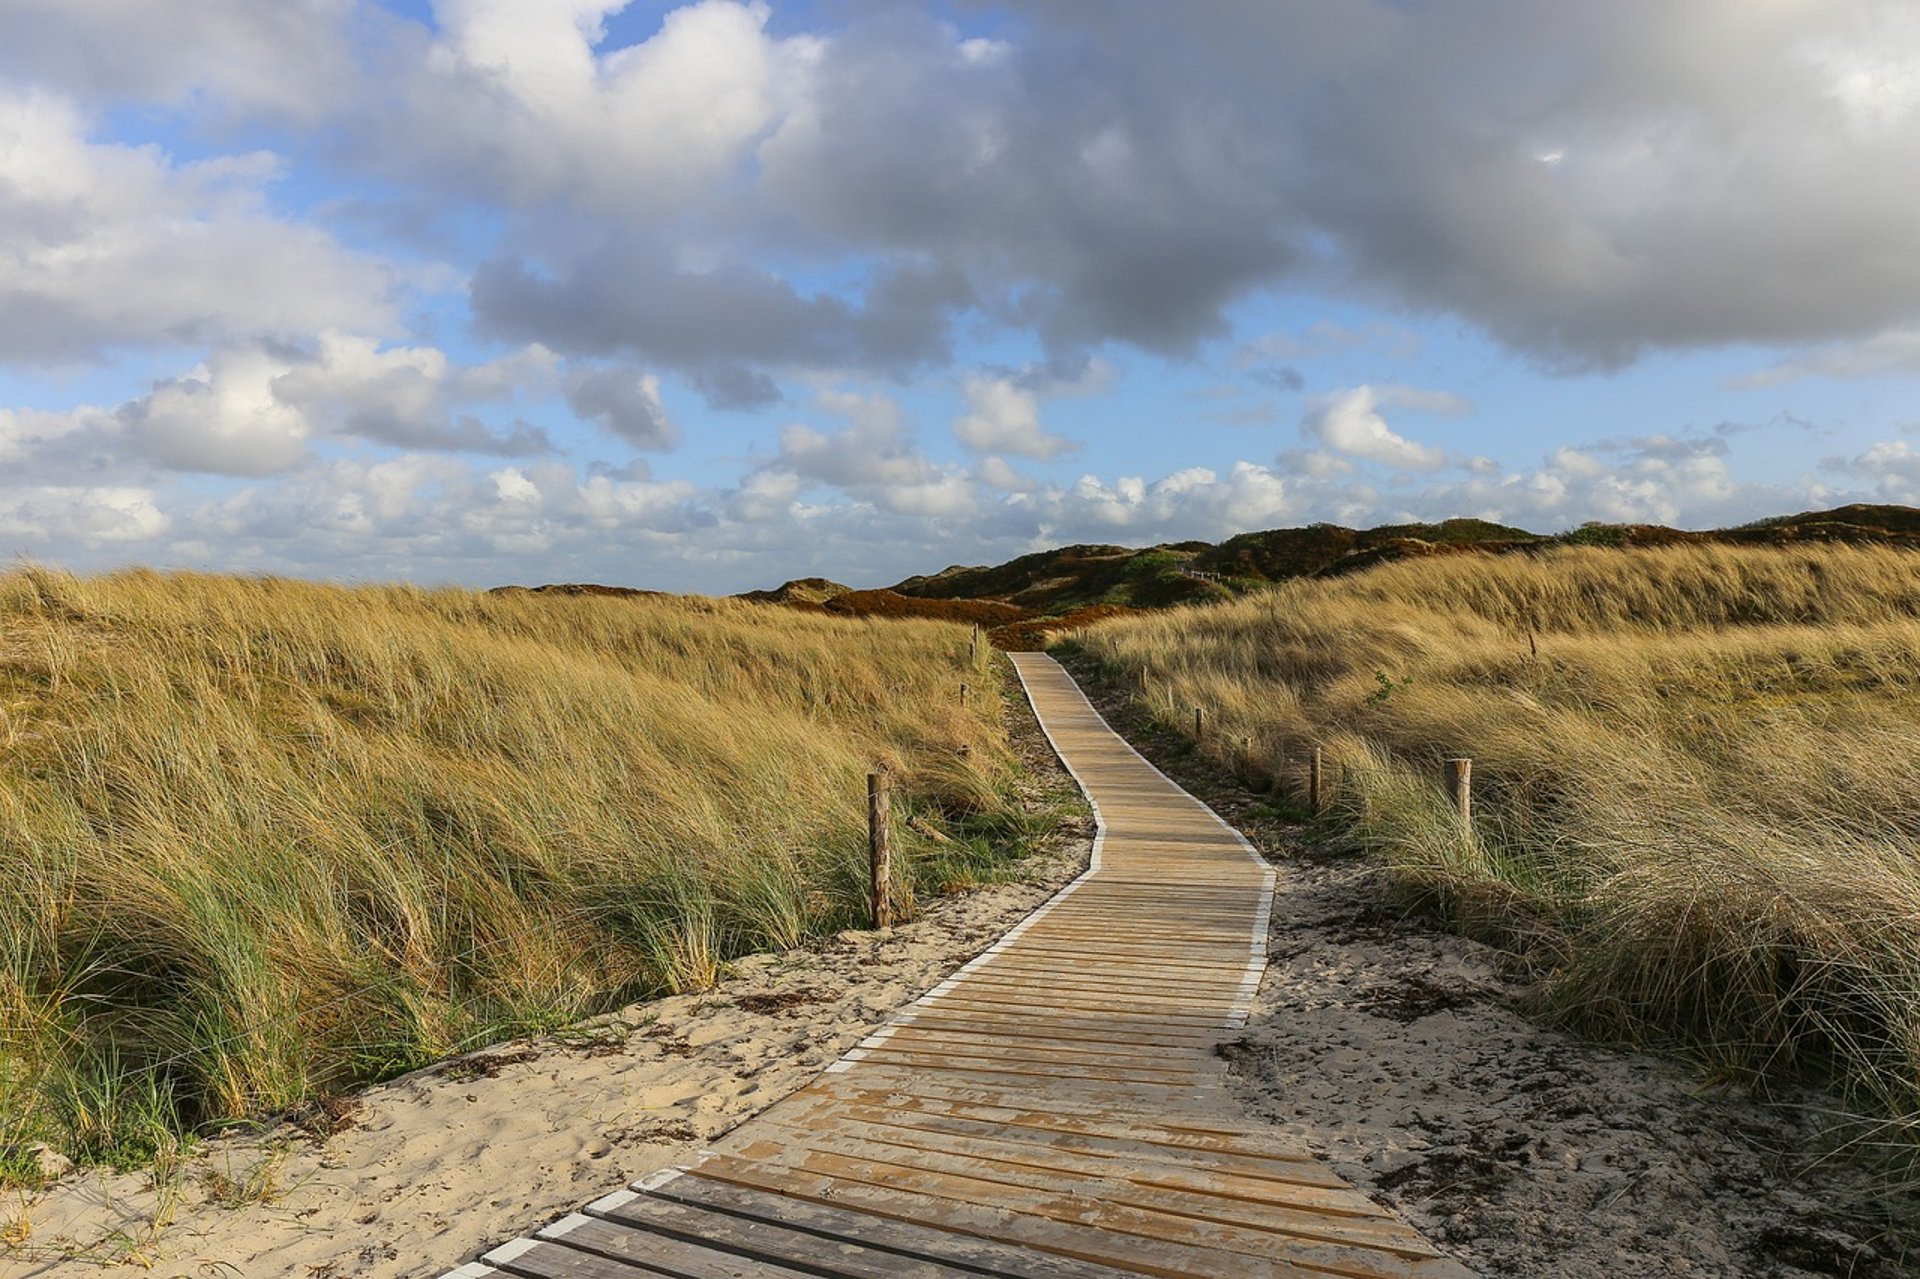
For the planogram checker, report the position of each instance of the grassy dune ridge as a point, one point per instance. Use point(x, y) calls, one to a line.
point(265, 839)
point(1696, 769)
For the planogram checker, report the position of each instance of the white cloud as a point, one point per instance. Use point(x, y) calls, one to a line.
point(223, 418)
point(514, 95)
point(1003, 417)
point(1895, 351)
point(250, 410)
point(998, 473)
point(62, 515)
point(110, 245)
point(875, 448)
point(1350, 422)
point(290, 58)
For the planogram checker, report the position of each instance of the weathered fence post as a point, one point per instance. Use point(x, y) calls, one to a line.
point(963, 697)
point(880, 847)
point(974, 652)
point(1460, 787)
point(1314, 790)
point(1199, 724)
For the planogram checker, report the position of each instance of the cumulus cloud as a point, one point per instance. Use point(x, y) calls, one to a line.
point(1092, 174)
point(293, 59)
point(1003, 417)
point(875, 448)
point(254, 410)
point(624, 402)
point(718, 323)
point(1350, 422)
point(515, 99)
point(222, 418)
point(111, 245)
point(411, 397)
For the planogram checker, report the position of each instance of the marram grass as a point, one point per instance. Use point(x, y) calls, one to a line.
point(261, 840)
point(1696, 772)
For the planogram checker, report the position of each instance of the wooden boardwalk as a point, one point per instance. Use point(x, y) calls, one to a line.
point(1052, 1111)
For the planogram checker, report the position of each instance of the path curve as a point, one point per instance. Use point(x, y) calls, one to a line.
point(1054, 1110)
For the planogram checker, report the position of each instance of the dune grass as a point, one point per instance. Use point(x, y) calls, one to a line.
point(1696, 772)
point(262, 840)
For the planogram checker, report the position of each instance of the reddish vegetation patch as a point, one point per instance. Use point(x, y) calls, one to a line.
point(893, 604)
point(1031, 635)
point(578, 588)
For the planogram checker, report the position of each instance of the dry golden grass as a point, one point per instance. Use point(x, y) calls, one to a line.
point(261, 839)
point(1697, 776)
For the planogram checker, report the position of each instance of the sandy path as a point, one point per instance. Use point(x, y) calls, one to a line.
point(440, 1163)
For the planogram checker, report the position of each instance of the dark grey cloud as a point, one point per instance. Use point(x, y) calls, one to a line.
point(623, 401)
point(1078, 201)
point(625, 297)
point(1279, 377)
point(734, 386)
point(1584, 182)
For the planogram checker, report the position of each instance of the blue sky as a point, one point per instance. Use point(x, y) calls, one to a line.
point(707, 296)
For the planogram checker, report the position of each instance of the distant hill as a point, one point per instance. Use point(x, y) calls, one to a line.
point(1020, 600)
point(801, 590)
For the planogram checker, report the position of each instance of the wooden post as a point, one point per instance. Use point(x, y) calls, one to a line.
point(1313, 782)
point(963, 697)
point(1460, 786)
point(880, 847)
point(1199, 724)
point(975, 651)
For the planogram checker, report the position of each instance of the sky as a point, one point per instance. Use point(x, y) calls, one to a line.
point(707, 296)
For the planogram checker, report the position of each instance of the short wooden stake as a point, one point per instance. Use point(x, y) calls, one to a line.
point(1460, 786)
point(1199, 724)
point(880, 847)
point(1314, 793)
point(963, 696)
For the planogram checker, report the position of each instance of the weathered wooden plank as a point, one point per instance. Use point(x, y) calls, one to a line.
point(908, 1237)
point(1079, 1241)
point(878, 1158)
point(790, 1236)
point(1214, 1143)
point(1301, 1183)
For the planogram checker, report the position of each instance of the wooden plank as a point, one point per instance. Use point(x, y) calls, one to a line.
point(1214, 1142)
point(583, 1246)
point(1035, 1231)
point(877, 1157)
point(1127, 1160)
point(782, 1237)
point(907, 1238)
